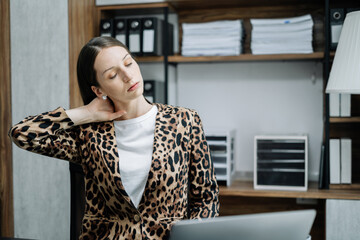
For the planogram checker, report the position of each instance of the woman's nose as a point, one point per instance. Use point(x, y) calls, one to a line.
point(126, 76)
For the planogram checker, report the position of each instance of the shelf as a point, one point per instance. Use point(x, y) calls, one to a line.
point(345, 120)
point(246, 57)
point(201, 4)
point(149, 59)
point(246, 189)
point(239, 58)
point(152, 8)
point(355, 186)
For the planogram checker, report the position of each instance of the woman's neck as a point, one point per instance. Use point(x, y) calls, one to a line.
point(134, 108)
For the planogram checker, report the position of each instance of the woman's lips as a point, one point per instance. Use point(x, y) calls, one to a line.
point(133, 87)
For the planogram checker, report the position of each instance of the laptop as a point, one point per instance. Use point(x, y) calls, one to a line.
point(287, 225)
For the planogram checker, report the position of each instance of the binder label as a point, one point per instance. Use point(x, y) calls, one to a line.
point(134, 42)
point(121, 38)
point(106, 34)
point(148, 43)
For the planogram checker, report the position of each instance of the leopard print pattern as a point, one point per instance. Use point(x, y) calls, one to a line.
point(181, 182)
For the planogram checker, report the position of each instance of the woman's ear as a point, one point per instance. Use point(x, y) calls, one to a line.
point(97, 91)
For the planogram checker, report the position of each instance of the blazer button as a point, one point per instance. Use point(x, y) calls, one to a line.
point(137, 218)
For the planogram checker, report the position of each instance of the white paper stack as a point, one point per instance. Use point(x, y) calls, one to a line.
point(222, 38)
point(281, 36)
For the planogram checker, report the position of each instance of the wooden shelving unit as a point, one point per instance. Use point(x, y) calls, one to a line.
point(240, 197)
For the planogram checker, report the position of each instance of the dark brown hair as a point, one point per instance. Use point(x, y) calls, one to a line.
point(86, 73)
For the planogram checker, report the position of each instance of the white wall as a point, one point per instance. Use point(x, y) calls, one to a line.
point(282, 97)
point(40, 82)
point(257, 98)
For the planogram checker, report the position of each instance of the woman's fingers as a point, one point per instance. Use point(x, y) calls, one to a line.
point(117, 114)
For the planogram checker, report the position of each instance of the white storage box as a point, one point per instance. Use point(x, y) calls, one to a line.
point(221, 144)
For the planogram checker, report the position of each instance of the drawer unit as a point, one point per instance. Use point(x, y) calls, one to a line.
point(221, 144)
point(281, 162)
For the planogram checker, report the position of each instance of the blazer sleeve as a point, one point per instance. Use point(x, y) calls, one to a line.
point(203, 187)
point(50, 133)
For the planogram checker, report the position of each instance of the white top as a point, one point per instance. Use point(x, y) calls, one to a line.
point(135, 139)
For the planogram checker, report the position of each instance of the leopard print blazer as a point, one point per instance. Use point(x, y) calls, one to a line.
point(181, 182)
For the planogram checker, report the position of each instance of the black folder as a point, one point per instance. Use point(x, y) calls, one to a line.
point(134, 36)
point(154, 91)
point(153, 42)
point(106, 27)
point(337, 16)
point(120, 29)
point(152, 36)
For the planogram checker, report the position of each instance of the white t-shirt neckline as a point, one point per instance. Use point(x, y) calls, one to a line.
point(135, 139)
point(141, 118)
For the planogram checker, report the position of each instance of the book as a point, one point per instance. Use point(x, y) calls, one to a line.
point(334, 104)
point(345, 161)
point(345, 105)
point(334, 161)
point(321, 170)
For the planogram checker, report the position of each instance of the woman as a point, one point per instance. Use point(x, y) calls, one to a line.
point(146, 165)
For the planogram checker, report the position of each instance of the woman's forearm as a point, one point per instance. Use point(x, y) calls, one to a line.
point(80, 115)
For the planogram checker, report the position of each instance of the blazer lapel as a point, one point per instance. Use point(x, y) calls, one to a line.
point(157, 161)
point(110, 156)
point(158, 155)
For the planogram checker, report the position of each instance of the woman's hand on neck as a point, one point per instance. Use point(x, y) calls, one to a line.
point(133, 108)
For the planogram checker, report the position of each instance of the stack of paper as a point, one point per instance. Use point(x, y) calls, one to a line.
point(285, 35)
point(212, 38)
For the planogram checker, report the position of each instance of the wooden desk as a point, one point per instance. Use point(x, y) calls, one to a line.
point(242, 198)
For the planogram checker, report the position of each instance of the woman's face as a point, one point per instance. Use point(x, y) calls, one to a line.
point(118, 75)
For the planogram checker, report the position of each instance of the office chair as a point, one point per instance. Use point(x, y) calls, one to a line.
point(77, 200)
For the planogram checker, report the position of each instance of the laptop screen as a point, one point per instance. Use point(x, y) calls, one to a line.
point(288, 225)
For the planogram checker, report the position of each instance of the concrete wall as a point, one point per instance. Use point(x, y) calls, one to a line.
point(40, 82)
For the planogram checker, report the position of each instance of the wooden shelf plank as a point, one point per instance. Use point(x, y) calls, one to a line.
point(134, 6)
point(246, 189)
point(201, 4)
point(355, 186)
point(242, 57)
point(137, 9)
point(345, 120)
point(149, 59)
point(246, 57)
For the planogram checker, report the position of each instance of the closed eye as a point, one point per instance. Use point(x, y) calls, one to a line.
point(128, 63)
point(113, 76)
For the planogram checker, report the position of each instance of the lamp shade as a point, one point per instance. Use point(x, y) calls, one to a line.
point(345, 71)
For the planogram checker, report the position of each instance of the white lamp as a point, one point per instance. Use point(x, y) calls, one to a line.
point(345, 71)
